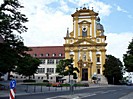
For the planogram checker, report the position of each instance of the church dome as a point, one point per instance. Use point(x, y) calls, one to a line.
point(99, 27)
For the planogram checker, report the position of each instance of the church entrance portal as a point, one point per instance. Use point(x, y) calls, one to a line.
point(84, 74)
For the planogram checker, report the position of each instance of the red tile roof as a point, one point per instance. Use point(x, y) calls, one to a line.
point(41, 51)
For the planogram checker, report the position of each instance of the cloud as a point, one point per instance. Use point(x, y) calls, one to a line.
point(121, 10)
point(130, 16)
point(118, 43)
point(49, 19)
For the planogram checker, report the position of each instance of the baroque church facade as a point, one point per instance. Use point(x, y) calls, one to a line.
point(86, 44)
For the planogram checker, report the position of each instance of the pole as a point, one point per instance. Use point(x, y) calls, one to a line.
point(12, 93)
point(12, 89)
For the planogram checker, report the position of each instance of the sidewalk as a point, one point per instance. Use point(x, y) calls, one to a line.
point(129, 96)
point(21, 89)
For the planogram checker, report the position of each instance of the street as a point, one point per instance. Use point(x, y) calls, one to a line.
point(113, 92)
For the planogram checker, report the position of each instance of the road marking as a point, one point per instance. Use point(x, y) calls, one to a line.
point(83, 95)
point(88, 95)
point(104, 92)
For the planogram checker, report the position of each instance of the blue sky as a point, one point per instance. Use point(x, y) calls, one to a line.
point(49, 20)
point(121, 17)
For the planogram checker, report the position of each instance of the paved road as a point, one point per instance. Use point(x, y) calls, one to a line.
point(114, 92)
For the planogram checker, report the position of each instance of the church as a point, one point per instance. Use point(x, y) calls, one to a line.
point(85, 44)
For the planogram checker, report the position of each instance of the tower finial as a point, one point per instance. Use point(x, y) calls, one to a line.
point(84, 7)
point(76, 9)
point(92, 8)
point(67, 35)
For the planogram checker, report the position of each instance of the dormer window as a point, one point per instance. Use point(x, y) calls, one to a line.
point(41, 55)
point(34, 55)
point(54, 54)
point(60, 54)
point(47, 54)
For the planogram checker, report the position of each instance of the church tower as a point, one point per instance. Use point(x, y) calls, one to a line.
point(86, 44)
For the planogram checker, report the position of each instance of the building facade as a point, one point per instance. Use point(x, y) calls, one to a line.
point(49, 56)
point(86, 44)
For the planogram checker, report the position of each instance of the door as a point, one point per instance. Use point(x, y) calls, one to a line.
point(84, 74)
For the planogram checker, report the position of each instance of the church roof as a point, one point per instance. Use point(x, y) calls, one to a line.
point(48, 52)
point(84, 10)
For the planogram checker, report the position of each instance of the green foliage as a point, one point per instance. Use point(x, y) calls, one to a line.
point(65, 67)
point(25, 81)
point(27, 65)
point(113, 69)
point(128, 58)
point(11, 23)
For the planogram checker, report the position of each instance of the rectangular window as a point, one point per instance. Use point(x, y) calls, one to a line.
point(41, 70)
point(42, 61)
point(50, 61)
point(57, 61)
point(50, 70)
point(98, 59)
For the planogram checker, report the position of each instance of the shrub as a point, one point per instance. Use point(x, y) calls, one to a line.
point(45, 81)
point(29, 80)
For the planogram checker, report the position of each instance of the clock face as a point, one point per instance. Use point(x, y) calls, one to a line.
point(84, 29)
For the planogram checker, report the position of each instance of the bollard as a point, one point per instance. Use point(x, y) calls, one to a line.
point(41, 88)
point(34, 88)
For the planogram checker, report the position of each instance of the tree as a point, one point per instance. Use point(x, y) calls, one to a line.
point(11, 23)
point(113, 69)
point(27, 66)
point(128, 58)
point(65, 67)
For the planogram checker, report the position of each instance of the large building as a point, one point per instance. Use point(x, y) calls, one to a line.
point(49, 56)
point(86, 44)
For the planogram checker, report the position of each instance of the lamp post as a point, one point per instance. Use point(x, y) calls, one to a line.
point(71, 82)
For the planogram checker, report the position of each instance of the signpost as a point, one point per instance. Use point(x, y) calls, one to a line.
point(12, 89)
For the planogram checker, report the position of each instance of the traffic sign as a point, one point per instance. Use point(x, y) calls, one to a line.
point(12, 84)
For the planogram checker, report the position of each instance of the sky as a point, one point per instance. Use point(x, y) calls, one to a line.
point(49, 20)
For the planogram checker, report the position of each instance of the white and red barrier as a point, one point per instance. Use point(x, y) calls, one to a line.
point(12, 89)
point(12, 93)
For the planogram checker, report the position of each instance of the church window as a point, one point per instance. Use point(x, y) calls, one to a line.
point(98, 71)
point(98, 59)
point(98, 40)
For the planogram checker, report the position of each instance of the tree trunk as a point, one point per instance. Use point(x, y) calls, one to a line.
point(8, 77)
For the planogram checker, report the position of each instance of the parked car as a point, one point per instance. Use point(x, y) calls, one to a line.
point(129, 84)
